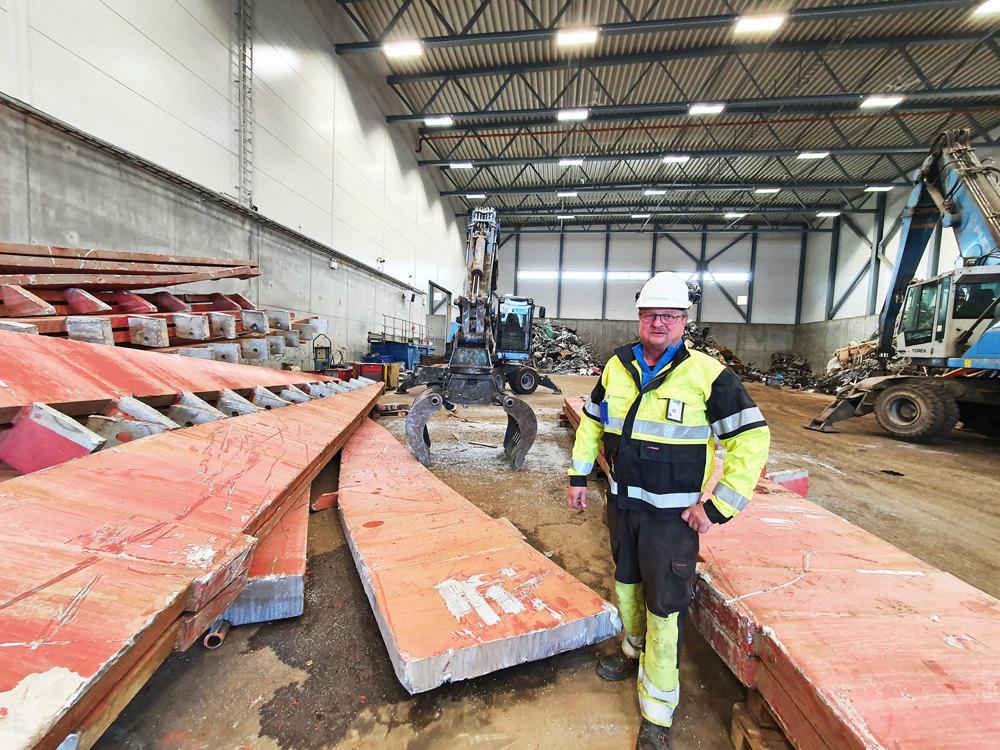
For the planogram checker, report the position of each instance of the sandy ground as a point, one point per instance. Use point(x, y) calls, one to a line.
point(324, 680)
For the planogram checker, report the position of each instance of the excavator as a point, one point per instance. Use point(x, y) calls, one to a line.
point(950, 324)
point(479, 364)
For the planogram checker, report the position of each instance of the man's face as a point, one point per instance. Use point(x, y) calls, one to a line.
point(661, 328)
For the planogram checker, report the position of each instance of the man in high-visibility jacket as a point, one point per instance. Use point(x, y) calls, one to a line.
point(657, 410)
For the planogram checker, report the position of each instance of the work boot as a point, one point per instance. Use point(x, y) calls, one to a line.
point(652, 736)
point(616, 666)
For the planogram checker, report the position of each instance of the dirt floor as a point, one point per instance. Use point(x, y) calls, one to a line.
point(324, 680)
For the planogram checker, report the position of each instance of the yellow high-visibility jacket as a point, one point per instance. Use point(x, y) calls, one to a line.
point(658, 439)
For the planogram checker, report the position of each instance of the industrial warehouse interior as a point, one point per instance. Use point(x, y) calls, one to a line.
point(499, 374)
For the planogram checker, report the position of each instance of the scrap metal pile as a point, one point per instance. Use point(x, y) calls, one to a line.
point(700, 340)
point(559, 349)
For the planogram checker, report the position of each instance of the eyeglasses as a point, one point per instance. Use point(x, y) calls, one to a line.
point(649, 317)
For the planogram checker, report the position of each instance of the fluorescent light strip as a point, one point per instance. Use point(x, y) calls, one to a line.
point(571, 162)
point(880, 102)
point(812, 155)
point(757, 24)
point(569, 37)
point(676, 158)
point(475, 196)
point(567, 194)
point(403, 48)
point(439, 121)
point(767, 191)
point(987, 8)
point(641, 216)
point(654, 191)
point(706, 109)
point(878, 188)
point(460, 165)
point(828, 214)
point(572, 114)
point(734, 215)
point(565, 217)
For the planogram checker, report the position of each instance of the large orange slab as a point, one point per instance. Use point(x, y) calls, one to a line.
point(88, 374)
point(456, 593)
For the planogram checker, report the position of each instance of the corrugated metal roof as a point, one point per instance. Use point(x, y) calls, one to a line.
point(831, 60)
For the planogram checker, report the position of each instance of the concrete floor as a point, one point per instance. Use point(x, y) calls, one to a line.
point(324, 679)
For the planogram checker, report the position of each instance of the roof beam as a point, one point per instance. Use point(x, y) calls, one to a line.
point(896, 43)
point(623, 227)
point(956, 99)
point(670, 187)
point(688, 23)
point(657, 155)
point(627, 209)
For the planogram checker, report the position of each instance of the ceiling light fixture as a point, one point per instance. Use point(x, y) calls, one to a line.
point(706, 108)
point(460, 165)
point(878, 188)
point(734, 215)
point(403, 48)
point(878, 101)
point(676, 158)
point(565, 217)
point(566, 194)
point(439, 121)
point(828, 214)
point(568, 37)
point(767, 191)
point(812, 154)
point(654, 191)
point(570, 162)
point(987, 8)
point(475, 196)
point(757, 24)
point(580, 113)
point(641, 216)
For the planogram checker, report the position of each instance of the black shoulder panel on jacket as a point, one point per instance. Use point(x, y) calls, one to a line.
point(728, 397)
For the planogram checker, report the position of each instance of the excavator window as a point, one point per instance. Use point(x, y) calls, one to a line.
point(918, 313)
point(971, 300)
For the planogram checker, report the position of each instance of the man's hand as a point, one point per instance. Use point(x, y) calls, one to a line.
point(696, 518)
point(578, 498)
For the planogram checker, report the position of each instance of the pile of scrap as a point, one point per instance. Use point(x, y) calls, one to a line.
point(97, 296)
point(849, 365)
point(560, 350)
point(455, 592)
point(851, 642)
point(700, 339)
point(791, 369)
point(116, 556)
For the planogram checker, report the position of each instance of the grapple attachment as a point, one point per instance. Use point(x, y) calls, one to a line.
point(522, 427)
point(425, 406)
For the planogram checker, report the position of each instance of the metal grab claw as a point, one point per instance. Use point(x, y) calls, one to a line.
point(522, 427)
point(425, 406)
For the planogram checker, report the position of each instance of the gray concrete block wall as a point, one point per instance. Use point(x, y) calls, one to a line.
point(818, 341)
point(57, 190)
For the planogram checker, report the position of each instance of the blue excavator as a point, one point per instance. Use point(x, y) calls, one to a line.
point(947, 326)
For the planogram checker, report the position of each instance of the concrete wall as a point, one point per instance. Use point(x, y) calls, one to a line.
point(156, 80)
point(818, 341)
point(752, 343)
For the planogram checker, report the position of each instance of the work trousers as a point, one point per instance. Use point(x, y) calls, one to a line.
point(654, 562)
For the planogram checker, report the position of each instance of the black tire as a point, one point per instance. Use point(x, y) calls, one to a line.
point(523, 380)
point(981, 418)
point(916, 411)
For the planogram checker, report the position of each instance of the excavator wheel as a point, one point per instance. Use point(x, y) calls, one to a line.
point(919, 412)
point(524, 380)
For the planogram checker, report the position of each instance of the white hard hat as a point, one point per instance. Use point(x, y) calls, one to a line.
point(665, 289)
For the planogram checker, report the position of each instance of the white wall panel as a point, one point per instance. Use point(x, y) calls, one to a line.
point(776, 279)
point(581, 298)
point(669, 257)
point(631, 252)
point(156, 79)
point(814, 283)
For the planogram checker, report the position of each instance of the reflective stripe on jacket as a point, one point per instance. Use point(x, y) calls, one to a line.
point(659, 440)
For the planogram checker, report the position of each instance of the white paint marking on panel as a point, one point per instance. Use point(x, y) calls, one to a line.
point(891, 572)
point(507, 603)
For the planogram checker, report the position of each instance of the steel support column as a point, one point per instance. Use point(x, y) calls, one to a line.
point(562, 241)
point(875, 263)
point(607, 253)
point(701, 270)
point(934, 258)
point(517, 259)
point(802, 278)
point(652, 258)
point(753, 275)
point(831, 278)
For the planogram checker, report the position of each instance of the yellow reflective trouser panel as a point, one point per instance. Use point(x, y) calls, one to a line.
point(659, 680)
point(632, 608)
